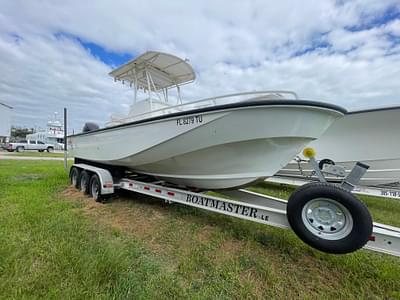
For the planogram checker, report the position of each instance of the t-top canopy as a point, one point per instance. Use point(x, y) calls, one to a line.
point(156, 70)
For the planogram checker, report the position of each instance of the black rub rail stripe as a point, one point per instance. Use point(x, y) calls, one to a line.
point(225, 106)
point(353, 112)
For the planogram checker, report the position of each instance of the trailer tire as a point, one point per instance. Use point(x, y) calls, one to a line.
point(20, 149)
point(50, 149)
point(84, 182)
point(41, 150)
point(95, 188)
point(74, 175)
point(329, 218)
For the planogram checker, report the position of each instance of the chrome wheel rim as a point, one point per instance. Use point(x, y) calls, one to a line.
point(327, 218)
point(83, 183)
point(74, 178)
point(95, 190)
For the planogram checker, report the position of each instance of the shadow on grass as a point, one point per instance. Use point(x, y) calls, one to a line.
point(271, 238)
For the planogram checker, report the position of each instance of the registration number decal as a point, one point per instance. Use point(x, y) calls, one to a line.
point(189, 120)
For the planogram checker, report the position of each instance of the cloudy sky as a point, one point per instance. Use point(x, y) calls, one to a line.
point(56, 54)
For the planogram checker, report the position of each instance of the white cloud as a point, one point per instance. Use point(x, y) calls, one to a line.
point(233, 45)
point(41, 76)
point(393, 28)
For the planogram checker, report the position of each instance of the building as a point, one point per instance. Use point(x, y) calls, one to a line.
point(53, 134)
point(5, 122)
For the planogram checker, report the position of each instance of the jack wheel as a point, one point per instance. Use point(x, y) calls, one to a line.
point(325, 161)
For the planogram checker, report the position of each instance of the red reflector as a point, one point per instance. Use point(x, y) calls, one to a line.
point(371, 238)
point(171, 194)
point(146, 188)
point(158, 190)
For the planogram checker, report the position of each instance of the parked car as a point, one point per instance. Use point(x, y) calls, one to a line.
point(23, 145)
point(59, 146)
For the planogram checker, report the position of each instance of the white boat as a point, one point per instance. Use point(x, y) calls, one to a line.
point(53, 133)
point(214, 143)
point(369, 136)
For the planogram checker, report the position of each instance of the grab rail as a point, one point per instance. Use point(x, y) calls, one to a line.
point(179, 107)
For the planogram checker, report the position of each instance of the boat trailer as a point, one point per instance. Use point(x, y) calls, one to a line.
point(316, 222)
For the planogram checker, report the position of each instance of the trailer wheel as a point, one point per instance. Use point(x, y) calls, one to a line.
point(84, 180)
point(329, 218)
point(95, 189)
point(20, 149)
point(50, 149)
point(74, 177)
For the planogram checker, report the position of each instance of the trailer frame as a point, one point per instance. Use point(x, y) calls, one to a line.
point(241, 204)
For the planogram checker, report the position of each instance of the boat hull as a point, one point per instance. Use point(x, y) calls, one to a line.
point(371, 137)
point(218, 149)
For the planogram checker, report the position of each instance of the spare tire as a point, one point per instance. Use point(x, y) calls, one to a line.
point(329, 218)
point(325, 161)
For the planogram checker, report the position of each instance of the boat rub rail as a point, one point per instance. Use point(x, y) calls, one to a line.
point(223, 107)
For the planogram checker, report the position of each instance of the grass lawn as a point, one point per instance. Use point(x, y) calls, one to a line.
point(57, 244)
point(34, 154)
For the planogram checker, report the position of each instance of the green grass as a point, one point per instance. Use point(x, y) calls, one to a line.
point(59, 245)
point(35, 154)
